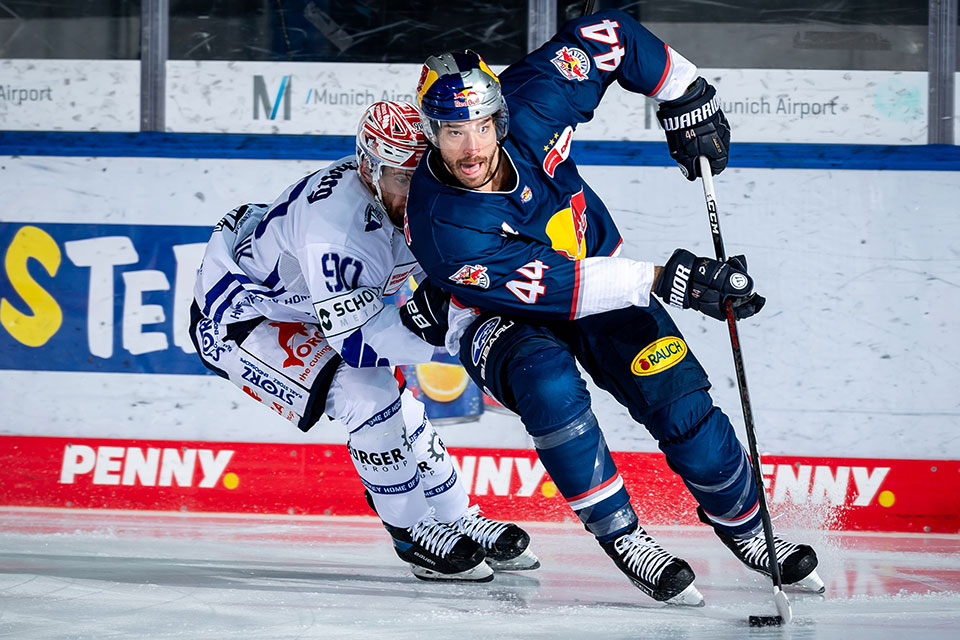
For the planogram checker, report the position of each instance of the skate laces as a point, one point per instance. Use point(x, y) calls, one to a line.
point(754, 550)
point(642, 555)
point(479, 528)
point(435, 536)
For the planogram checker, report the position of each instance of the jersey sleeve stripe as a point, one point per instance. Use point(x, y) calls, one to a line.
point(216, 291)
point(576, 291)
point(666, 73)
point(457, 303)
point(227, 302)
point(271, 280)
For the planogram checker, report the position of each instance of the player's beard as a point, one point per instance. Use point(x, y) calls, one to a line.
point(489, 164)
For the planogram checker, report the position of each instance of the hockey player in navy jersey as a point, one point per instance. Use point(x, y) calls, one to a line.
point(499, 216)
point(288, 307)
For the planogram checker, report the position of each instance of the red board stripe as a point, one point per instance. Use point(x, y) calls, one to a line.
point(232, 477)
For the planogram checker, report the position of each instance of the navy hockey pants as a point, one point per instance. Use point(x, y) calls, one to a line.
point(640, 357)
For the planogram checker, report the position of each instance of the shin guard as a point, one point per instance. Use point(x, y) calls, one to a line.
point(441, 485)
point(576, 457)
point(702, 448)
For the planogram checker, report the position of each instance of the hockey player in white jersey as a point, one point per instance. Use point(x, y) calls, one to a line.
point(288, 306)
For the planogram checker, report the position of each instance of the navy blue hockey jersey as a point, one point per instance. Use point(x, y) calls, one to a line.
point(519, 251)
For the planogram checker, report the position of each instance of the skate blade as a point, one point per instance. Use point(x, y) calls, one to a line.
point(812, 583)
point(526, 561)
point(479, 573)
point(689, 597)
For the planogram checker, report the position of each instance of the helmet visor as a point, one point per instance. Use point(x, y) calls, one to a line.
point(455, 134)
point(394, 181)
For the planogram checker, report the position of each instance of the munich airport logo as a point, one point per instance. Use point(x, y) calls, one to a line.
point(269, 99)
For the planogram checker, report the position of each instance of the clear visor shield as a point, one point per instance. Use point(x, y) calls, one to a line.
point(457, 135)
point(393, 182)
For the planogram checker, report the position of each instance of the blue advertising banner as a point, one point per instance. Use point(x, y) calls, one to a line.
point(116, 298)
point(112, 298)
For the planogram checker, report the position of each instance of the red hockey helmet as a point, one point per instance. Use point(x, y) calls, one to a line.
point(389, 135)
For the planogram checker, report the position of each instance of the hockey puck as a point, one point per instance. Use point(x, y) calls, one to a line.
point(766, 621)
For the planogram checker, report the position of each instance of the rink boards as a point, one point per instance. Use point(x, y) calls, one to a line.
point(918, 496)
point(855, 353)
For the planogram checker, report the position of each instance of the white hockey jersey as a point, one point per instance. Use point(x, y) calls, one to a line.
point(323, 253)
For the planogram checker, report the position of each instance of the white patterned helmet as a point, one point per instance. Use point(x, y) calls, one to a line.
point(390, 134)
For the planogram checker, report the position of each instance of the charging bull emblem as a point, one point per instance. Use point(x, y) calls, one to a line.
point(465, 98)
point(572, 63)
point(473, 275)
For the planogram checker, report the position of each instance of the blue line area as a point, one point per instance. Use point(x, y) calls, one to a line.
point(745, 155)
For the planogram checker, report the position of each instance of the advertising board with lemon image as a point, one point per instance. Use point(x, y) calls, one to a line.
point(443, 386)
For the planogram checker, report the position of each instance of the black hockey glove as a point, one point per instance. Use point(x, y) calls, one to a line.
point(695, 126)
point(425, 313)
point(689, 282)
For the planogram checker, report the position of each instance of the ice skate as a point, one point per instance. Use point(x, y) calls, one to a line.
point(656, 572)
point(437, 551)
point(798, 562)
point(506, 545)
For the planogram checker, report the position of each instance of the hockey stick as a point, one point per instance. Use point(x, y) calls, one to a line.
point(779, 597)
point(588, 7)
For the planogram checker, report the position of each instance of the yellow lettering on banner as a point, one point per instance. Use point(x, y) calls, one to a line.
point(32, 330)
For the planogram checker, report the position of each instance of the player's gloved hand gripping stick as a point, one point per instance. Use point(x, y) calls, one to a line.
point(779, 598)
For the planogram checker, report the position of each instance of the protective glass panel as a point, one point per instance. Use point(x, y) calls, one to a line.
point(782, 34)
point(360, 31)
point(62, 29)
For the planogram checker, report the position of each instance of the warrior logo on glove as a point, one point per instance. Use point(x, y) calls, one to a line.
point(689, 282)
point(695, 126)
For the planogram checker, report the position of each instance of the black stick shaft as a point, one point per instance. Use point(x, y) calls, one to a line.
point(711, 200)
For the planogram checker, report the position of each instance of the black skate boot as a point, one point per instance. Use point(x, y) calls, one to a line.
point(659, 574)
point(437, 551)
point(507, 546)
point(798, 562)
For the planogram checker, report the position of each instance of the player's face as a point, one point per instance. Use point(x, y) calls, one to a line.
point(394, 187)
point(469, 151)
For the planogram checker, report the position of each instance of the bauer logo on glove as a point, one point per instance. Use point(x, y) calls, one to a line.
point(425, 313)
point(689, 282)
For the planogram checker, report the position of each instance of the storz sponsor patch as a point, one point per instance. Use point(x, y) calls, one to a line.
point(473, 275)
point(659, 356)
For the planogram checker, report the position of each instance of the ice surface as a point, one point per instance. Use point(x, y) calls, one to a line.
point(84, 574)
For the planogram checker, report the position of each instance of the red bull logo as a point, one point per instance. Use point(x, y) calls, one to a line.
point(572, 63)
point(568, 227)
point(465, 98)
point(472, 275)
